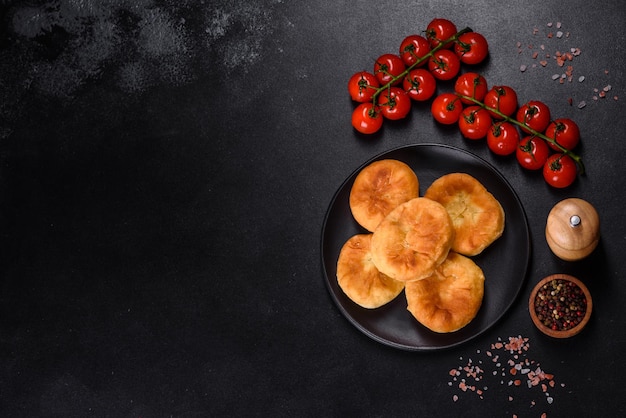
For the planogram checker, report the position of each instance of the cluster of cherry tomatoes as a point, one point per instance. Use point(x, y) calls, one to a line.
point(397, 79)
point(528, 131)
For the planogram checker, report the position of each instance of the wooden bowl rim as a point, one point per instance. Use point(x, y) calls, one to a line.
point(549, 331)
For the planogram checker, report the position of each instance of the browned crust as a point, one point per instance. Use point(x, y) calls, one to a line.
point(477, 215)
point(379, 188)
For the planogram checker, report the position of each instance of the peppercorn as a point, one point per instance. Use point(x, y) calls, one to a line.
point(560, 304)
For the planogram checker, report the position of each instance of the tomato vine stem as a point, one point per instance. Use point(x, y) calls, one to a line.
point(575, 157)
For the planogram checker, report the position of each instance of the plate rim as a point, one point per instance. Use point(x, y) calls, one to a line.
point(408, 347)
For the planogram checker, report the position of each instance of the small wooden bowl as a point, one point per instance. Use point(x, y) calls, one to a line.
point(560, 333)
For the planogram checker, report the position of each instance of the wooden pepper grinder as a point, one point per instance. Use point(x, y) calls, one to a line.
point(573, 229)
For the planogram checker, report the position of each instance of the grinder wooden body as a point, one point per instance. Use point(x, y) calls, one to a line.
point(572, 229)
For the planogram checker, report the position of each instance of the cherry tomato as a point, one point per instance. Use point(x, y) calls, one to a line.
point(446, 108)
point(471, 48)
point(420, 84)
point(394, 103)
point(362, 86)
point(565, 132)
point(471, 85)
point(366, 118)
point(439, 30)
point(412, 48)
point(503, 99)
point(559, 170)
point(444, 64)
point(535, 114)
point(474, 122)
point(388, 66)
point(502, 138)
point(532, 152)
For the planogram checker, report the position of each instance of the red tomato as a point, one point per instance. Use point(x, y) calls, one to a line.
point(439, 30)
point(420, 84)
point(502, 138)
point(412, 48)
point(362, 86)
point(474, 122)
point(472, 85)
point(565, 132)
point(446, 108)
point(394, 103)
point(532, 152)
point(471, 48)
point(535, 115)
point(444, 64)
point(503, 99)
point(387, 67)
point(559, 170)
point(366, 118)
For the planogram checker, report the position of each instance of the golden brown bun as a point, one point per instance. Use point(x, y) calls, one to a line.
point(412, 240)
point(359, 278)
point(450, 298)
point(477, 215)
point(379, 188)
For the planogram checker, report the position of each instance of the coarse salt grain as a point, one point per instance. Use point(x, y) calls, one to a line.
point(560, 58)
point(529, 373)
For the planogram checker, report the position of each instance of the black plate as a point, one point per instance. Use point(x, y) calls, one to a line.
point(504, 263)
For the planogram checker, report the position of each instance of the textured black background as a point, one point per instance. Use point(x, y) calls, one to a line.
point(165, 169)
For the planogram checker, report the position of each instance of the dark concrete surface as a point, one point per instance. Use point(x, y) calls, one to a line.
point(165, 170)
